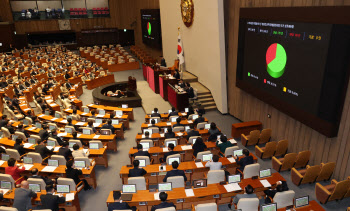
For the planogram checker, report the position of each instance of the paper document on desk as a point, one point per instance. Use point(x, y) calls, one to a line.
point(41, 115)
point(80, 123)
point(56, 149)
point(96, 124)
point(186, 147)
point(4, 191)
point(26, 109)
point(168, 123)
point(190, 121)
point(232, 187)
point(199, 165)
point(161, 135)
point(96, 136)
point(83, 114)
point(100, 115)
point(165, 149)
point(149, 125)
point(49, 147)
point(156, 196)
point(28, 166)
point(62, 134)
point(179, 134)
point(231, 159)
point(53, 119)
point(49, 169)
point(31, 128)
point(189, 192)
point(91, 105)
point(2, 162)
point(233, 141)
point(265, 183)
point(69, 196)
point(49, 101)
point(53, 104)
point(85, 150)
point(143, 136)
point(78, 135)
point(27, 145)
point(183, 114)
point(64, 121)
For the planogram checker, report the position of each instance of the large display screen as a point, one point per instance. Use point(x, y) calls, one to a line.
point(151, 28)
point(293, 66)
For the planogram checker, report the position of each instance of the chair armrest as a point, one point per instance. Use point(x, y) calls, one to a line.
point(152, 160)
point(205, 174)
point(46, 158)
point(296, 177)
point(80, 183)
point(308, 166)
point(192, 208)
point(276, 164)
point(22, 156)
point(93, 162)
point(147, 184)
point(244, 139)
point(240, 172)
point(220, 153)
point(194, 157)
point(334, 181)
point(322, 194)
point(258, 151)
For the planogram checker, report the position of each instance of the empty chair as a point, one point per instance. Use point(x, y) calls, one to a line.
point(247, 204)
point(76, 142)
point(200, 154)
point(302, 159)
point(178, 129)
point(5, 132)
point(215, 176)
point(172, 156)
point(281, 148)
point(154, 129)
point(326, 171)
point(140, 183)
point(13, 153)
point(307, 175)
point(229, 151)
point(250, 171)
point(267, 151)
point(166, 141)
point(190, 140)
point(285, 163)
point(334, 191)
point(251, 139)
point(72, 186)
point(150, 142)
point(148, 162)
point(206, 207)
point(201, 126)
point(7, 178)
point(265, 136)
point(39, 181)
point(61, 159)
point(284, 199)
point(177, 181)
point(36, 157)
point(21, 135)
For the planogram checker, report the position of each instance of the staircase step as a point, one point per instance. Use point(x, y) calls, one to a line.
point(210, 108)
point(203, 100)
point(205, 104)
point(203, 93)
point(204, 96)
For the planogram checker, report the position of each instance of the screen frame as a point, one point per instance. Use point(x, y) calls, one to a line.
point(265, 170)
point(129, 185)
point(308, 201)
point(171, 186)
point(63, 185)
point(261, 208)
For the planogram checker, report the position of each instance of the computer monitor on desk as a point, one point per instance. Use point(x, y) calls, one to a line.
point(234, 178)
point(118, 113)
point(301, 201)
point(207, 157)
point(142, 163)
point(35, 188)
point(173, 119)
point(145, 145)
point(86, 131)
point(171, 160)
point(27, 160)
point(129, 189)
point(79, 163)
point(52, 162)
point(99, 121)
point(63, 189)
point(162, 187)
point(238, 152)
point(115, 122)
point(171, 142)
point(265, 173)
point(269, 207)
point(5, 185)
point(101, 112)
point(94, 146)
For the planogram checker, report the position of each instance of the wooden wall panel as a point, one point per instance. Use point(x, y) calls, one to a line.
point(246, 107)
point(5, 11)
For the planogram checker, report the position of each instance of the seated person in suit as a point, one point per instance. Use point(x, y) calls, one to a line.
point(77, 153)
point(169, 133)
point(54, 135)
point(141, 152)
point(14, 170)
point(8, 125)
point(214, 164)
point(19, 146)
point(35, 175)
point(118, 203)
point(245, 160)
point(147, 135)
point(42, 149)
point(65, 151)
point(164, 204)
point(109, 126)
point(199, 119)
point(136, 171)
point(192, 132)
point(43, 133)
point(50, 201)
point(198, 146)
point(175, 172)
point(23, 197)
point(171, 152)
point(178, 123)
point(91, 125)
point(20, 129)
point(69, 123)
point(270, 193)
point(249, 193)
point(173, 112)
point(213, 129)
point(75, 113)
point(225, 144)
point(155, 114)
point(73, 173)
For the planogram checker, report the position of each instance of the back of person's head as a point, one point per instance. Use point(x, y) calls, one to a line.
point(173, 109)
point(216, 158)
point(155, 110)
point(45, 127)
point(279, 188)
point(136, 163)
point(34, 171)
point(223, 139)
point(153, 121)
point(69, 164)
point(20, 126)
point(213, 126)
point(109, 121)
point(40, 141)
point(65, 143)
point(116, 195)
point(178, 120)
point(139, 146)
point(146, 133)
point(93, 112)
point(19, 140)
point(74, 134)
point(199, 140)
point(249, 189)
point(49, 188)
point(192, 126)
point(171, 146)
point(53, 131)
point(188, 84)
point(245, 152)
point(163, 196)
point(69, 120)
point(4, 116)
point(170, 130)
point(200, 114)
point(75, 111)
point(90, 123)
point(11, 162)
point(175, 164)
point(75, 146)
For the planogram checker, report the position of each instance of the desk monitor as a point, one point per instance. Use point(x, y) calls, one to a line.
point(52, 127)
point(155, 119)
point(99, 121)
point(207, 126)
point(207, 157)
point(105, 132)
point(35, 188)
point(1, 134)
point(71, 144)
point(5, 157)
point(5, 185)
point(171, 160)
point(27, 160)
point(265, 173)
point(79, 163)
point(301, 201)
point(69, 117)
point(170, 142)
point(200, 183)
point(38, 125)
point(186, 110)
point(169, 111)
point(164, 187)
point(194, 116)
point(51, 143)
point(187, 128)
point(101, 112)
point(86, 110)
point(149, 131)
point(47, 113)
point(25, 122)
point(115, 122)
point(118, 113)
point(173, 119)
point(14, 137)
point(63, 189)
point(234, 178)
point(142, 163)
point(86, 131)
point(238, 152)
point(94, 146)
point(57, 115)
point(129, 189)
point(83, 119)
point(125, 106)
point(269, 207)
point(32, 140)
point(52, 162)
point(145, 145)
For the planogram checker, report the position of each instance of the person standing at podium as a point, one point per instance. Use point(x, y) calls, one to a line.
point(162, 61)
point(176, 74)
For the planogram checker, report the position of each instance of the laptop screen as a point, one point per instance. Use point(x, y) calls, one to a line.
point(31, 140)
point(63, 189)
point(200, 183)
point(115, 122)
point(207, 126)
point(5, 157)
point(238, 152)
point(234, 178)
point(171, 160)
point(98, 121)
point(86, 131)
point(118, 113)
point(94, 146)
point(269, 207)
point(207, 157)
point(170, 142)
point(47, 113)
point(125, 106)
point(35, 188)
point(265, 173)
point(164, 187)
point(129, 188)
point(52, 162)
point(51, 143)
point(145, 145)
point(27, 160)
point(5, 185)
point(86, 110)
point(301, 201)
point(79, 164)
point(142, 162)
point(149, 131)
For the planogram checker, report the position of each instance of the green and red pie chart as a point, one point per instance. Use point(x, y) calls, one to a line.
point(276, 60)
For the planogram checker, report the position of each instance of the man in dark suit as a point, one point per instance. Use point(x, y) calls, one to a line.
point(173, 112)
point(178, 123)
point(65, 151)
point(171, 152)
point(108, 126)
point(43, 133)
point(74, 174)
point(35, 175)
point(141, 152)
point(155, 113)
point(50, 201)
point(199, 119)
point(55, 136)
point(136, 171)
point(192, 132)
point(189, 91)
point(23, 197)
point(3, 121)
point(162, 62)
point(175, 172)
point(118, 204)
point(169, 133)
point(245, 160)
point(9, 127)
point(163, 197)
point(42, 149)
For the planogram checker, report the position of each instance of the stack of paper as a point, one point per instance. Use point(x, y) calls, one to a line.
point(100, 115)
point(156, 196)
point(186, 147)
point(80, 123)
point(233, 141)
point(183, 114)
point(28, 166)
point(165, 149)
point(231, 159)
point(199, 165)
point(41, 115)
point(265, 183)
point(96, 124)
point(79, 134)
point(53, 104)
point(27, 145)
point(2, 162)
point(180, 134)
point(49, 169)
point(168, 123)
point(64, 121)
point(189, 192)
point(62, 134)
point(83, 114)
point(91, 105)
point(31, 128)
point(53, 119)
point(49, 147)
point(69, 196)
point(56, 149)
point(96, 136)
point(143, 136)
point(190, 121)
point(161, 135)
point(232, 187)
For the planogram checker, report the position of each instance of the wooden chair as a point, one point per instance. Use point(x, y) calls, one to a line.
point(265, 136)
point(302, 159)
point(251, 139)
point(283, 164)
point(348, 192)
point(282, 148)
point(326, 171)
point(335, 191)
point(304, 176)
point(266, 152)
